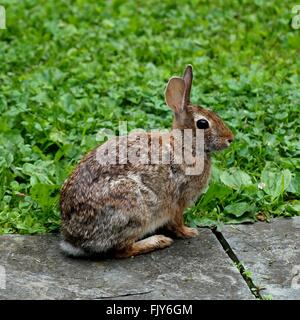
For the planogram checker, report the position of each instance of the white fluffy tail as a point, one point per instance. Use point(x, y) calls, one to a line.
point(72, 251)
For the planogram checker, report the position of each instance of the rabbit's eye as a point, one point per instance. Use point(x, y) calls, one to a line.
point(202, 124)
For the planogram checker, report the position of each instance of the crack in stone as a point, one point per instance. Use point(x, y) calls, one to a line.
point(225, 245)
point(124, 295)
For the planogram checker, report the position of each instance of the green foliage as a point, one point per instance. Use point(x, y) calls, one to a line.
point(70, 68)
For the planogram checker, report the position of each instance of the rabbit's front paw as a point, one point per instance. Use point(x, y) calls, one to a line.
point(186, 232)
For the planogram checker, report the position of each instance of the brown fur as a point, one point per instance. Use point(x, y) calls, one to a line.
point(112, 207)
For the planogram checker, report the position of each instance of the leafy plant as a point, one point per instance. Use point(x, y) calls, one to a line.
point(72, 68)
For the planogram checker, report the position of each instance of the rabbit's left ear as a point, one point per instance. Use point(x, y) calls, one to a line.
point(178, 91)
point(174, 94)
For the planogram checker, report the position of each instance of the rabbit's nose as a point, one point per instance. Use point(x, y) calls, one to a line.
point(230, 139)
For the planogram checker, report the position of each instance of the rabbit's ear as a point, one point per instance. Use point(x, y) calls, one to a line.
point(174, 94)
point(188, 79)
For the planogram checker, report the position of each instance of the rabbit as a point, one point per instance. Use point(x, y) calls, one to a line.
point(117, 207)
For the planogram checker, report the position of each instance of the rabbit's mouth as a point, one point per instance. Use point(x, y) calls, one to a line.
point(219, 145)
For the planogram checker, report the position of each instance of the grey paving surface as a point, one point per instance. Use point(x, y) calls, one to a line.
point(190, 269)
point(271, 251)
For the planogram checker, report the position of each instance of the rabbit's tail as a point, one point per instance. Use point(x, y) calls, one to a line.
point(71, 250)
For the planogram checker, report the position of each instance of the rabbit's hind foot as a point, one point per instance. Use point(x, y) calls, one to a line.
point(144, 246)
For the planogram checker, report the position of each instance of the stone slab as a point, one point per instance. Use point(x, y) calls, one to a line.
point(271, 252)
point(190, 269)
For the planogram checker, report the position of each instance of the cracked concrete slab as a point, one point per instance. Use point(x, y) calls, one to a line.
point(271, 251)
point(189, 269)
